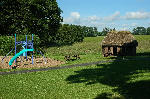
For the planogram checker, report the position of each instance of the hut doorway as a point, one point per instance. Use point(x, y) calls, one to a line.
point(115, 50)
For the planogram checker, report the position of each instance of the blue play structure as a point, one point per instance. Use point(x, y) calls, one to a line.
point(18, 54)
point(27, 47)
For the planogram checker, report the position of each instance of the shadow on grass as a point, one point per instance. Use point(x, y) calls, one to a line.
point(116, 74)
point(143, 54)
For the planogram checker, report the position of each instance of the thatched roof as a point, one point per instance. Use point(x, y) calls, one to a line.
point(120, 38)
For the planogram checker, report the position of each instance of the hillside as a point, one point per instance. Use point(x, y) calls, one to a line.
point(90, 48)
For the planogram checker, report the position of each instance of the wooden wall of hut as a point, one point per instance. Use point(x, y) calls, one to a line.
point(118, 51)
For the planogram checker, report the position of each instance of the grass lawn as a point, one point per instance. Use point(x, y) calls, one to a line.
point(126, 79)
point(90, 49)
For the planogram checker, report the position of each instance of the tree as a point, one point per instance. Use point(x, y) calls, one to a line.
point(139, 31)
point(8, 15)
point(95, 31)
point(41, 17)
point(105, 31)
point(68, 34)
point(148, 31)
point(99, 34)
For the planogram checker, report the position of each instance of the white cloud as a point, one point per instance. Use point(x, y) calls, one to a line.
point(75, 15)
point(134, 24)
point(94, 18)
point(108, 21)
point(125, 25)
point(113, 17)
point(124, 29)
point(137, 15)
point(74, 18)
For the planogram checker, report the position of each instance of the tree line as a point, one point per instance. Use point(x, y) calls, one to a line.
point(141, 31)
point(135, 31)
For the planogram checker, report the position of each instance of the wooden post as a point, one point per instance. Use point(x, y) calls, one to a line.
point(105, 51)
point(118, 50)
point(111, 50)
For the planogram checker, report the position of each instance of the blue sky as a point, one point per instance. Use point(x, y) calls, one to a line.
point(119, 14)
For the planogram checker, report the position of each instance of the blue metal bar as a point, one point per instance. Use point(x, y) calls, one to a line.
point(26, 46)
point(42, 55)
point(32, 48)
point(6, 55)
point(15, 47)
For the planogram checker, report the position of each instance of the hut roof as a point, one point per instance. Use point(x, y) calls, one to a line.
point(119, 38)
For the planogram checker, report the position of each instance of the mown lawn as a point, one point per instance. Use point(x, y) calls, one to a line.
point(125, 79)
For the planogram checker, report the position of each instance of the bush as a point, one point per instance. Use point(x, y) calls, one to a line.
point(7, 43)
point(68, 34)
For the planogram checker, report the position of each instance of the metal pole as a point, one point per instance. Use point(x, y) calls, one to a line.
point(26, 46)
point(15, 47)
point(32, 48)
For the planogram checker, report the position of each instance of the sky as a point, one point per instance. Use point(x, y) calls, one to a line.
point(119, 14)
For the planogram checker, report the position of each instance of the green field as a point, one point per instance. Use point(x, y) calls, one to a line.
point(124, 79)
point(90, 49)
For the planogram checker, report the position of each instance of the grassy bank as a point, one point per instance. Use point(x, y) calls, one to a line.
point(90, 49)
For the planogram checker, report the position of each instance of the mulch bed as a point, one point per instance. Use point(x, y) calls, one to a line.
point(22, 63)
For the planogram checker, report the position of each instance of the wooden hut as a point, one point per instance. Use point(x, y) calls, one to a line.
point(121, 43)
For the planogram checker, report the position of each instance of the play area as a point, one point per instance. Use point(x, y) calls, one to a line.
point(25, 58)
point(39, 62)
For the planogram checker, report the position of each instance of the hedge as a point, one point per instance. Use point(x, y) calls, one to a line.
point(7, 43)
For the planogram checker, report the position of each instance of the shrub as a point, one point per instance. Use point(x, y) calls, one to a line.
point(68, 34)
point(7, 43)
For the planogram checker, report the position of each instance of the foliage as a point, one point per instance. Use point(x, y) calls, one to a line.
point(68, 34)
point(7, 43)
point(148, 31)
point(105, 31)
point(139, 31)
point(40, 17)
point(90, 31)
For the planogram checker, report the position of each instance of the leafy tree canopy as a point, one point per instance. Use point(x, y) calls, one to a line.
point(41, 17)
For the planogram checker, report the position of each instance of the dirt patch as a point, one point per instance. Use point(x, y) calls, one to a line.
point(23, 63)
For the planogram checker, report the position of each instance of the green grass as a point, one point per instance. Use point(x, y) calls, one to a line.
point(115, 79)
point(126, 79)
point(90, 49)
point(92, 45)
point(143, 43)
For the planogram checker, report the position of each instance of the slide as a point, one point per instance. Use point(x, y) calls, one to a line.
point(18, 54)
